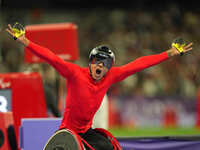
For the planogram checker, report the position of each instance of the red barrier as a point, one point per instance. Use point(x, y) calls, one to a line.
point(5, 123)
point(27, 96)
point(60, 38)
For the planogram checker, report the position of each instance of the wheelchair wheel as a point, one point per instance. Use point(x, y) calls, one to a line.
point(62, 140)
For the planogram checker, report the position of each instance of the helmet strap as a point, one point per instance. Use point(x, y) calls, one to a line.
point(90, 68)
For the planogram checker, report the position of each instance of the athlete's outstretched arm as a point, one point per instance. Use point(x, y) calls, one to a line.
point(63, 67)
point(144, 62)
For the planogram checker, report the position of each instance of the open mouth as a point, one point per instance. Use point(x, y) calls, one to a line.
point(98, 71)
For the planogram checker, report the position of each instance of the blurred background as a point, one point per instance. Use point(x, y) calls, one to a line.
point(165, 95)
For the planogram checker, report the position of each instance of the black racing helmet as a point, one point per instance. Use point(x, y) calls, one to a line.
point(102, 54)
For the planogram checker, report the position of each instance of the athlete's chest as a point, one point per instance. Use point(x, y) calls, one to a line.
point(85, 82)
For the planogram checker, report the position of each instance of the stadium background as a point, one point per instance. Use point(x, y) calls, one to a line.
point(132, 29)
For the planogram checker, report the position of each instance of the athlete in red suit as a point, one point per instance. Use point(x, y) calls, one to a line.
point(87, 86)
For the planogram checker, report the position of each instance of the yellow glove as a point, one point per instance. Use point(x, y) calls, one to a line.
point(179, 44)
point(18, 30)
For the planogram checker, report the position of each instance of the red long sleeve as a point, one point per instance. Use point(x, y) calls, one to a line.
point(137, 65)
point(65, 68)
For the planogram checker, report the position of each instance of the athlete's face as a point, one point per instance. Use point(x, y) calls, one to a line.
point(98, 70)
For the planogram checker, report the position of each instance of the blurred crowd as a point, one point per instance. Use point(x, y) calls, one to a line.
point(131, 33)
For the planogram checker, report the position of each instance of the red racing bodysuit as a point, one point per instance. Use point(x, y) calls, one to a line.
point(84, 96)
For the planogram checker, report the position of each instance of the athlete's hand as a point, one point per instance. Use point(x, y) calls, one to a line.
point(179, 47)
point(18, 33)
